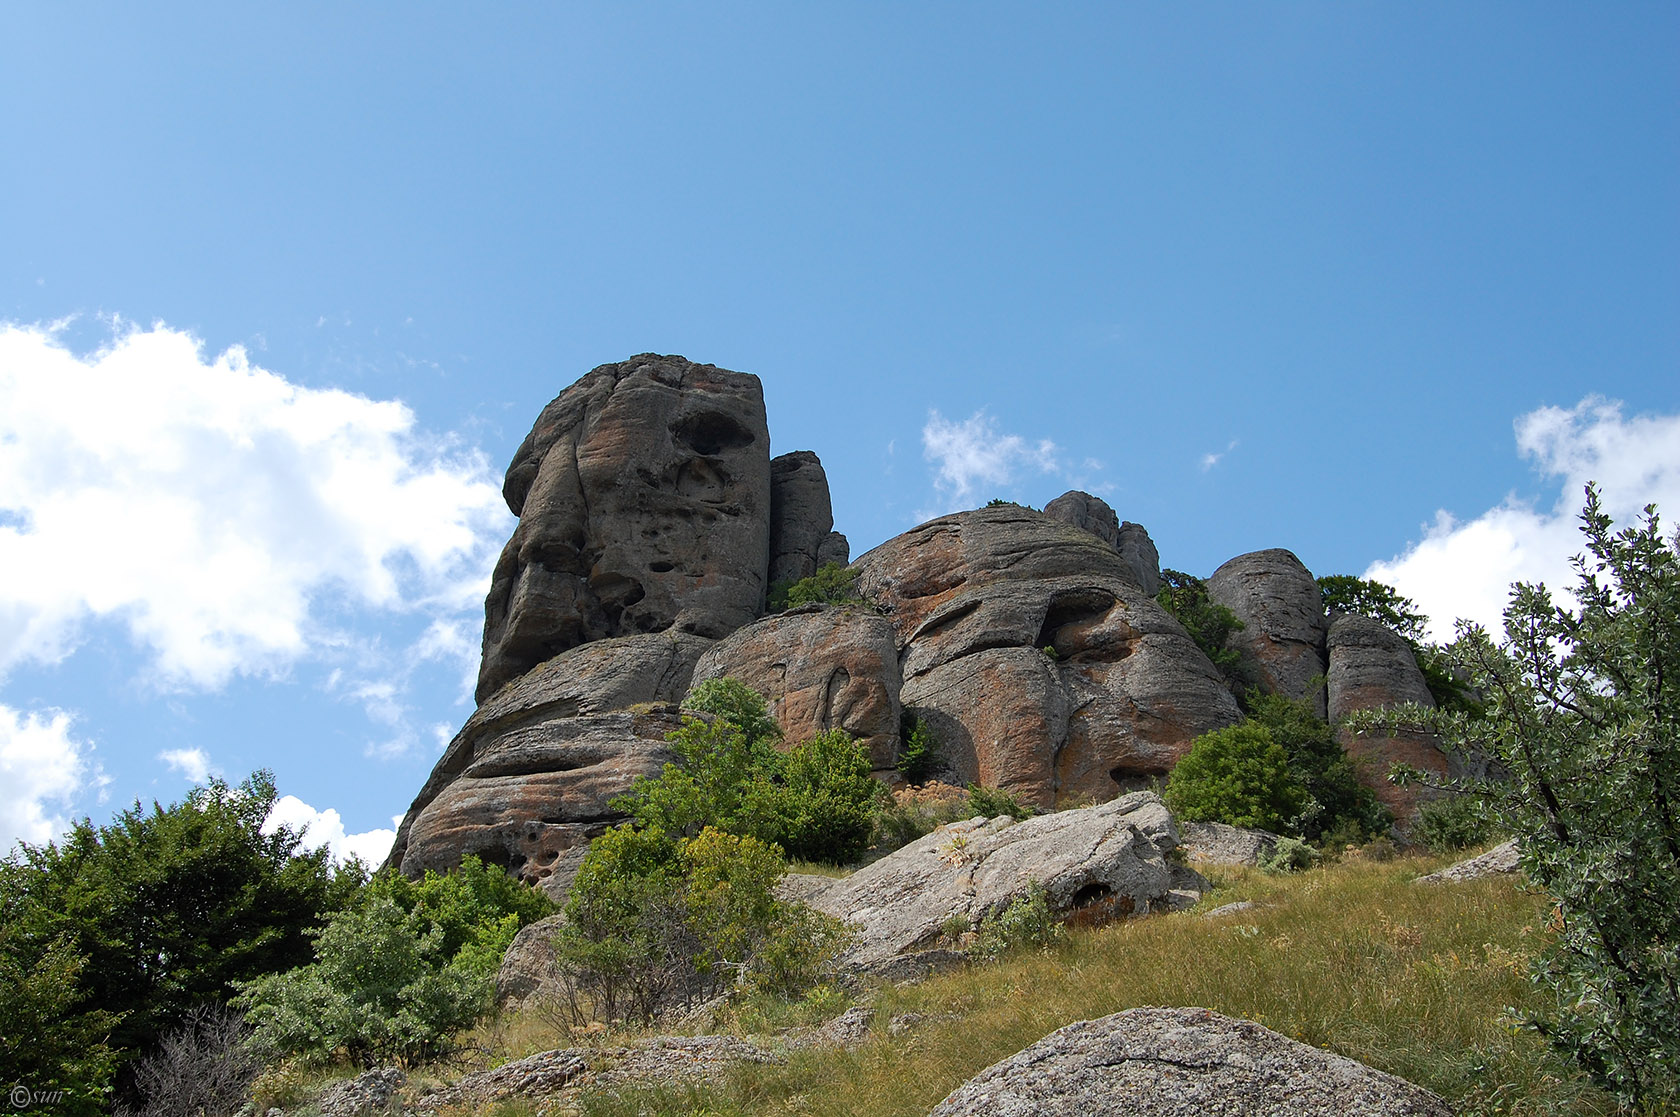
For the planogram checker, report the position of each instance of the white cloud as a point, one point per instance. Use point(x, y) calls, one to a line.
point(217, 511)
point(1210, 460)
point(191, 763)
point(326, 828)
point(41, 764)
point(972, 453)
point(1465, 568)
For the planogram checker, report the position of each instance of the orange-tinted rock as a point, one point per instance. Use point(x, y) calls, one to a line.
point(1282, 640)
point(532, 772)
point(976, 598)
point(643, 496)
point(1372, 667)
point(819, 668)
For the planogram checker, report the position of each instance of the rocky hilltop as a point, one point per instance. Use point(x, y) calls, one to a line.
point(653, 521)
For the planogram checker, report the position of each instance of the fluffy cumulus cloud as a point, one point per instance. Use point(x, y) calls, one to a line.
point(44, 769)
point(1464, 568)
point(972, 457)
point(222, 515)
point(194, 764)
point(326, 828)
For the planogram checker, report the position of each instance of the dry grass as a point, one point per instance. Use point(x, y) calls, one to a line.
point(1353, 957)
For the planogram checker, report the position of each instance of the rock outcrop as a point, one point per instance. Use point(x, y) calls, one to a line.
point(1041, 665)
point(1094, 864)
point(1129, 540)
point(643, 497)
point(528, 965)
point(1372, 667)
point(802, 535)
point(1182, 1062)
point(819, 667)
point(1214, 843)
point(1502, 860)
point(531, 773)
point(1284, 626)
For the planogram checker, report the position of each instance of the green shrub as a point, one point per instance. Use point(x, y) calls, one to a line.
point(919, 755)
point(819, 803)
point(994, 801)
point(1026, 924)
point(1336, 802)
point(470, 905)
point(1290, 855)
point(832, 584)
point(1239, 776)
point(1209, 624)
point(1454, 822)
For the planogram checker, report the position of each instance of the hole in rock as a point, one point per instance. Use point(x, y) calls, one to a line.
point(1131, 778)
point(1069, 613)
point(661, 567)
point(1091, 893)
point(712, 432)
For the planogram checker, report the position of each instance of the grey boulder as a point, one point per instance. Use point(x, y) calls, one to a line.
point(1093, 863)
point(801, 516)
point(1129, 540)
point(1284, 626)
point(1182, 1062)
point(1215, 843)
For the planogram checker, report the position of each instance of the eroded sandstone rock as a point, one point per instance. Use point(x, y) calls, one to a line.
point(1130, 540)
point(1282, 640)
point(530, 774)
point(819, 667)
point(1182, 1062)
point(1039, 662)
point(1094, 863)
point(1372, 667)
point(643, 497)
point(527, 972)
point(801, 516)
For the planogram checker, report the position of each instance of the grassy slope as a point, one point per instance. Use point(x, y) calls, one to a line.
point(1353, 957)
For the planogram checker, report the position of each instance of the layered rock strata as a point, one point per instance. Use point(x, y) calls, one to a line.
point(1039, 662)
point(1372, 668)
point(1284, 625)
point(819, 668)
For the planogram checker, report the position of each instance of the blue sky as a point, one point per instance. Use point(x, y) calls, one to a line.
point(284, 286)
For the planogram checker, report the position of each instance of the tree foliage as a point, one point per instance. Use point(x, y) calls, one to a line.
point(1344, 593)
point(1334, 799)
point(832, 584)
point(1209, 624)
point(1239, 776)
point(162, 911)
point(1582, 709)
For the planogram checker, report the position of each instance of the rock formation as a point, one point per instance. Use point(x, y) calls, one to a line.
point(802, 535)
point(643, 497)
point(1039, 662)
point(1372, 667)
point(819, 668)
point(1284, 626)
point(1130, 540)
point(1095, 863)
point(1182, 1062)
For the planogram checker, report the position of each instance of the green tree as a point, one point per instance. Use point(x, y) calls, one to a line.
point(1209, 624)
point(1582, 710)
point(165, 910)
point(476, 907)
point(1381, 602)
point(50, 1038)
point(1239, 776)
point(832, 584)
point(819, 802)
point(1335, 800)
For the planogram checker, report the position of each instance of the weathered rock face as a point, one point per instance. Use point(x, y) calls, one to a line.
point(1130, 540)
point(643, 496)
point(801, 516)
point(530, 774)
point(1215, 843)
point(1282, 612)
point(819, 667)
point(1182, 1062)
point(1502, 860)
point(1097, 862)
point(975, 599)
point(527, 972)
point(1372, 667)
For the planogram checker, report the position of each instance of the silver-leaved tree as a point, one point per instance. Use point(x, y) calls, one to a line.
point(1582, 716)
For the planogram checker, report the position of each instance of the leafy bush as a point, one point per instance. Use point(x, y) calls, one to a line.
point(1335, 801)
point(50, 1038)
point(912, 812)
point(832, 584)
point(919, 756)
point(159, 912)
point(652, 921)
point(817, 801)
point(381, 987)
point(1209, 624)
point(1581, 712)
point(994, 801)
point(1026, 924)
point(1289, 855)
point(1239, 776)
point(1454, 822)
point(471, 906)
